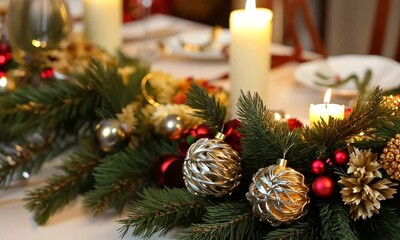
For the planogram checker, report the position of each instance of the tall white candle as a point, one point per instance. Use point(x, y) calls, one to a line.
point(103, 21)
point(249, 56)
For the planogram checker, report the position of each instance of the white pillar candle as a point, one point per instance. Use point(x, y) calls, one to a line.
point(326, 110)
point(249, 56)
point(102, 23)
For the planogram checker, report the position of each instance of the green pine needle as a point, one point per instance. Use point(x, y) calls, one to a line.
point(119, 176)
point(62, 188)
point(206, 107)
point(227, 220)
point(335, 222)
point(296, 231)
point(265, 139)
point(160, 210)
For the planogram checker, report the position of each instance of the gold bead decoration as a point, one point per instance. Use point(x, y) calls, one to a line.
point(390, 158)
point(211, 168)
point(278, 194)
point(393, 103)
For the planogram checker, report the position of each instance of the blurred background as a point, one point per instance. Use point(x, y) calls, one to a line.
point(344, 26)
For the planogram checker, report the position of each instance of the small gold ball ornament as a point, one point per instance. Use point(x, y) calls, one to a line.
point(172, 126)
point(393, 103)
point(212, 167)
point(112, 134)
point(390, 157)
point(278, 194)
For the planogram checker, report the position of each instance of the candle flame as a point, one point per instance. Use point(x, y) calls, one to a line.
point(3, 82)
point(250, 5)
point(327, 97)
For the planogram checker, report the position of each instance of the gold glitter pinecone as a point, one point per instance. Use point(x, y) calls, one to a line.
point(211, 168)
point(278, 195)
point(390, 157)
point(393, 103)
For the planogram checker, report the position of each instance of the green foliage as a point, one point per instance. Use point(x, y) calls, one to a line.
point(265, 139)
point(162, 210)
point(296, 231)
point(385, 226)
point(229, 220)
point(335, 222)
point(62, 188)
point(121, 175)
point(206, 107)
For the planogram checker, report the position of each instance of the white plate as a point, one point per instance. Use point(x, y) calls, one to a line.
point(175, 44)
point(385, 72)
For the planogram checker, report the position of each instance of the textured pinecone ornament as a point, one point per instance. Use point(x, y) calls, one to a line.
point(278, 194)
point(391, 157)
point(212, 167)
point(393, 103)
point(361, 189)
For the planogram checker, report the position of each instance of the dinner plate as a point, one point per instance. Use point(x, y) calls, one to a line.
point(322, 73)
point(199, 37)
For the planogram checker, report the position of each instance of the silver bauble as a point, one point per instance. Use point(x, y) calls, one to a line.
point(172, 126)
point(112, 134)
point(211, 168)
point(278, 194)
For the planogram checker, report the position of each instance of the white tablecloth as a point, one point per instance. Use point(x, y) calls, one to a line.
point(73, 222)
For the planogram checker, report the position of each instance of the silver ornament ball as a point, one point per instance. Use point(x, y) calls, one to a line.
point(172, 127)
point(278, 194)
point(112, 134)
point(211, 168)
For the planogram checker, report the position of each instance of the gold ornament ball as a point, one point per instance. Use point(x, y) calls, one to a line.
point(172, 127)
point(112, 134)
point(211, 168)
point(390, 158)
point(278, 194)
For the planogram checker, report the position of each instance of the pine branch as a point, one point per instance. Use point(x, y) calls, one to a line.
point(335, 222)
point(206, 107)
point(364, 115)
point(226, 221)
point(119, 175)
point(162, 210)
point(28, 155)
point(265, 139)
point(297, 231)
point(385, 226)
point(62, 188)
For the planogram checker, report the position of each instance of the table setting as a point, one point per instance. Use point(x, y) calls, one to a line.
point(165, 128)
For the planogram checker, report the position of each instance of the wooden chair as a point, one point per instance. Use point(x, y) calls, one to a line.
point(380, 27)
point(292, 10)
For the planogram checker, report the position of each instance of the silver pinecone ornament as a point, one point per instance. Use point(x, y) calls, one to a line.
point(278, 194)
point(212, 167)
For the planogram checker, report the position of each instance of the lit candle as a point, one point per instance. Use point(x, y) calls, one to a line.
point(103, 21)
point(249, 56)
point(326, 110)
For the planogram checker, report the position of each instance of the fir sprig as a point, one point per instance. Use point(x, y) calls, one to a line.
point(62, 188)
point(162, 210)
point(211, 110)
point(335, 222)
point(265, 139)
point(227, 220)
point(296, 231)
point(121, 175)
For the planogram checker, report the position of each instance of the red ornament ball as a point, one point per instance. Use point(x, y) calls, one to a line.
point(340, 157)
point(168, 171)
point(323, 187)
point(318, 167)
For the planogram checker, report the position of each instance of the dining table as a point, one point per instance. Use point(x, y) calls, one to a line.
point(285, 93)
